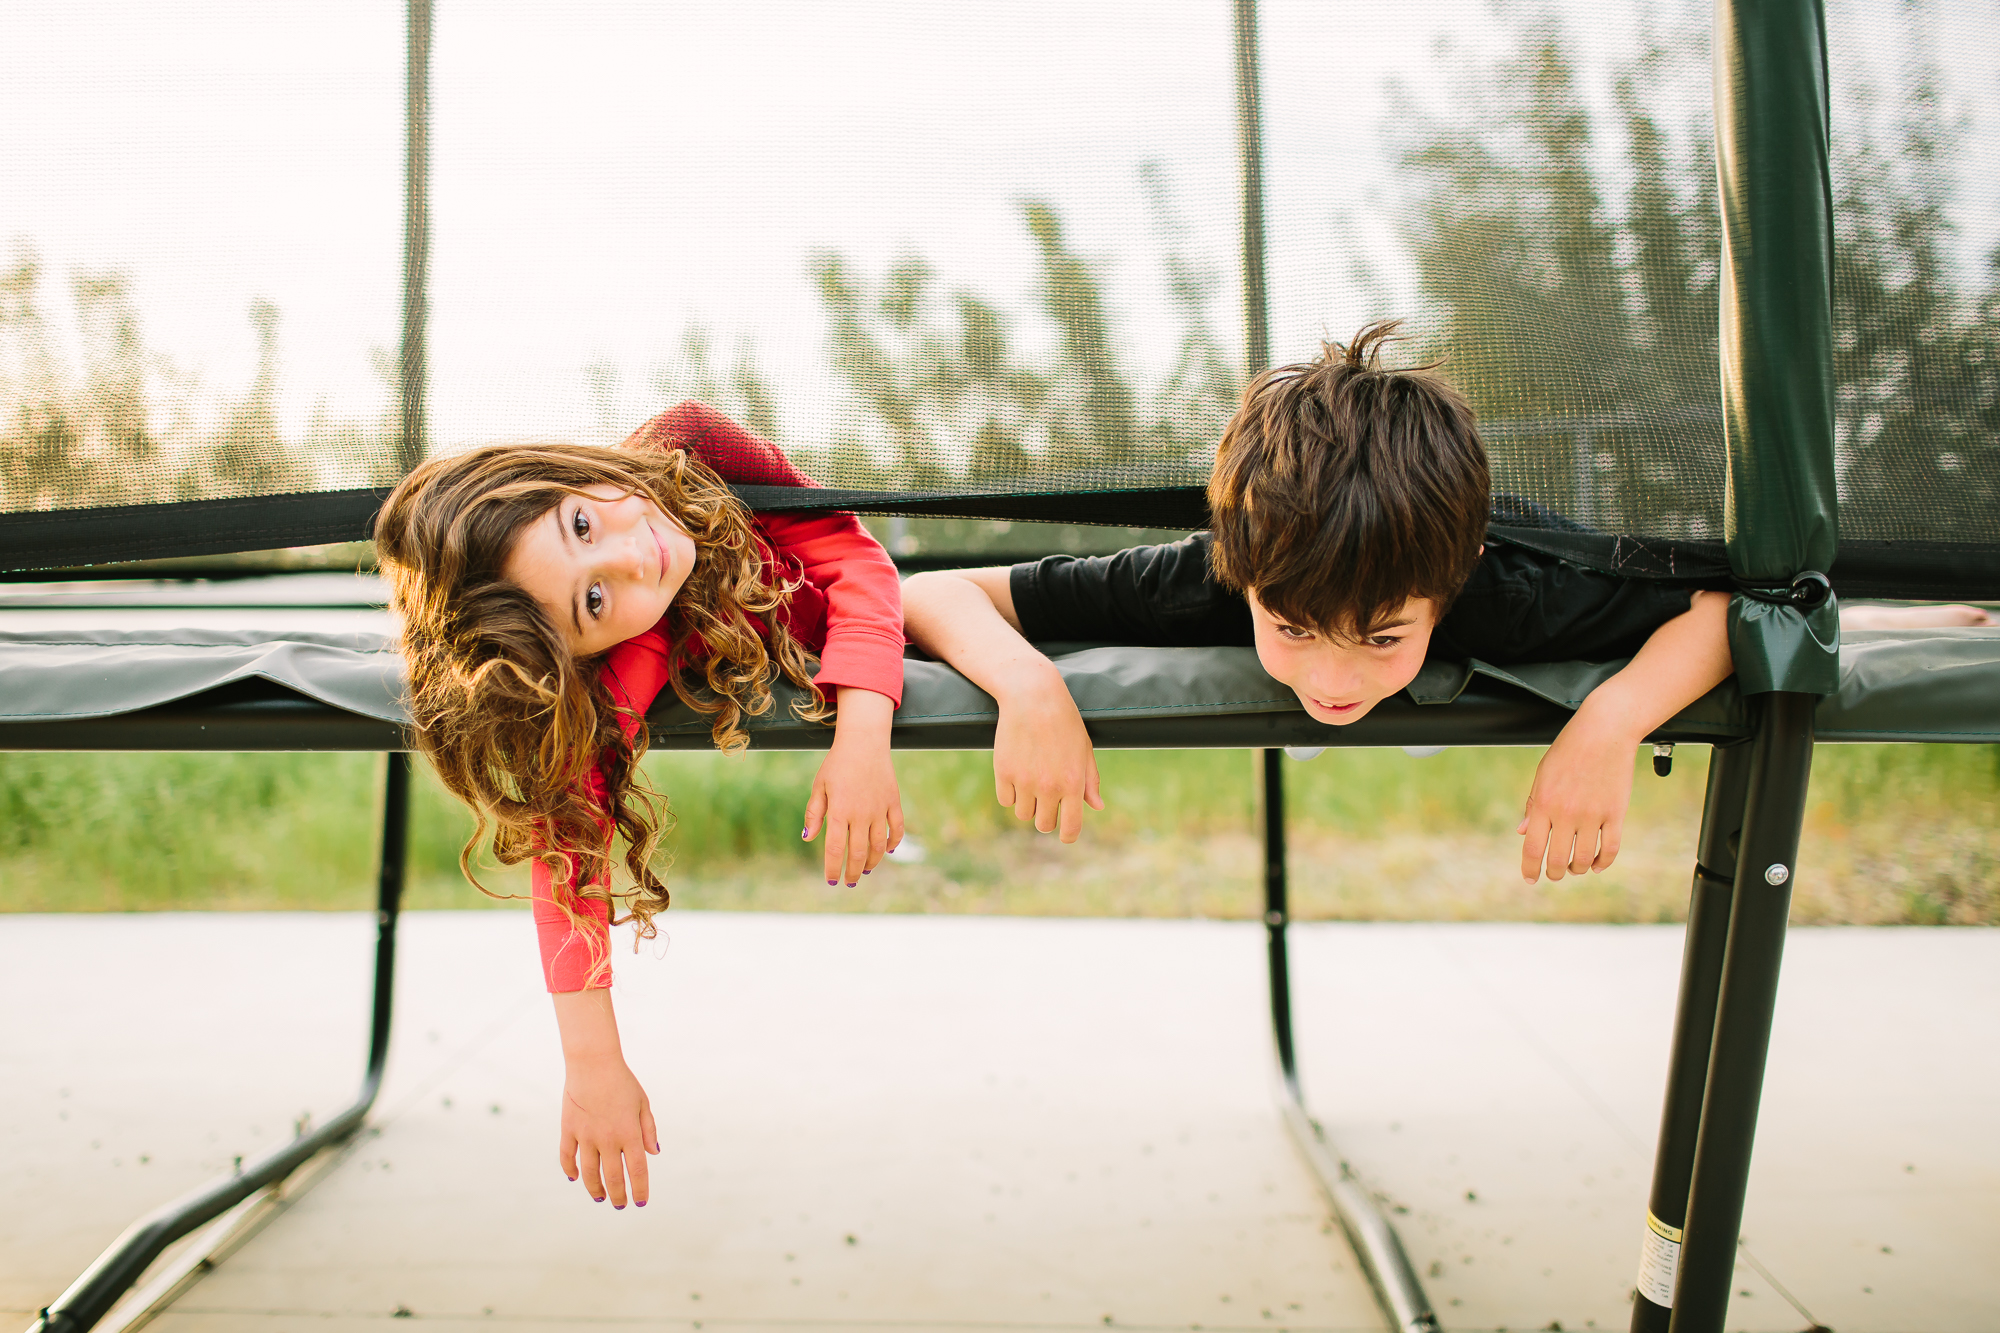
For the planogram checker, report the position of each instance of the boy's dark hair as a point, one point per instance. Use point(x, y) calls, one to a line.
point(1341, 489)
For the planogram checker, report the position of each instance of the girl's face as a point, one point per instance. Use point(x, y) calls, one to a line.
point(603, 564)
point(1340, 679)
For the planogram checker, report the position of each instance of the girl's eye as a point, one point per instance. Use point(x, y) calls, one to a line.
point(581, 526)
point(593, 600)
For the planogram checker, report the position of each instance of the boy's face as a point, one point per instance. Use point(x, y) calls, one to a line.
point(1339, 679)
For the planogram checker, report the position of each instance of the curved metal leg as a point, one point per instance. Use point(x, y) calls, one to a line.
point(1374, 1241)
point(92, 1295)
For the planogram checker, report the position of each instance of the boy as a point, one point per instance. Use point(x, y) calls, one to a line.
point(1350, 505)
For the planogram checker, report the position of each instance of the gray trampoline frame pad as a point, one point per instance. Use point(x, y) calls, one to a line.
point(96, 688)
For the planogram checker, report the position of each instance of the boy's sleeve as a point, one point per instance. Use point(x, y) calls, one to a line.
point(1521, 606)
point(1156, 596)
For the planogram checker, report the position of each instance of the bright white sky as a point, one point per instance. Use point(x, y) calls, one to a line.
point(605, 174)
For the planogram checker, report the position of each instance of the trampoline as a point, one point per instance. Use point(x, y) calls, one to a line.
point(1786, 496)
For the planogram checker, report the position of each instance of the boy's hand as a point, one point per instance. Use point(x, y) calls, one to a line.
point(607, 1123)
point(854, 794)
point(1576, 807)
point(1043, 763)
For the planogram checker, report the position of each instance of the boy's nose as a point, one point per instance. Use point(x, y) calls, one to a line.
point(1335, 681)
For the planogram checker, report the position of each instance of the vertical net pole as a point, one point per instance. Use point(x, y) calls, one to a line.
point(1257, 358)
point(412, 434)
point(1775, 189)
point(1250, 156)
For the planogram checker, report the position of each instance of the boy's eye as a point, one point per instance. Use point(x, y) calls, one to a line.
point(593, 600)
point(1294, 632)
point(1384, 640)
point(580, 525)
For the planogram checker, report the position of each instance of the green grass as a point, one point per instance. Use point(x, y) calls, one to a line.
point(1894, 834)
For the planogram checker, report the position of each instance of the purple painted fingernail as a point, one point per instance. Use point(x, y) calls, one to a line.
point(832, 883)
point(618, 1207)
point(642, 1203)
point(867, 872)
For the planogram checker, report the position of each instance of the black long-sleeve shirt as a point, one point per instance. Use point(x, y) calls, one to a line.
point(1519, 605)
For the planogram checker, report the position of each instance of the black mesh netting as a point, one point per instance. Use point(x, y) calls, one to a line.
point(955, 252)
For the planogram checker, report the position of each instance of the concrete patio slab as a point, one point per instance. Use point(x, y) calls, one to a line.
point(953, 1122)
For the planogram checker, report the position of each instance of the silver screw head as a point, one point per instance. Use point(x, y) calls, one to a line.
point(1776, 874)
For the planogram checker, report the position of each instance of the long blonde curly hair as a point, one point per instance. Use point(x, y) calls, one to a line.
point(511, 721)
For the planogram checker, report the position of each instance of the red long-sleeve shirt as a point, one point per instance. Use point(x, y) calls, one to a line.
point(849, 610)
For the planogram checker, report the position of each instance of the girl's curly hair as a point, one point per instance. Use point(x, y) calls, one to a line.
point(511, 721)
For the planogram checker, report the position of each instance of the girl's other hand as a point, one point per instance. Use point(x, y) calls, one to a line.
point(854, 794)
point(607, 1123)
point(607, 1129)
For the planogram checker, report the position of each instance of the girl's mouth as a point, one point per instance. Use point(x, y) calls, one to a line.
point(659, 549)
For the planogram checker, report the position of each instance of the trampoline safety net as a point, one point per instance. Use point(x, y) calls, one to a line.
point(982, 262)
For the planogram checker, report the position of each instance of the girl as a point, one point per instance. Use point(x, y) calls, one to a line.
point(548, 593)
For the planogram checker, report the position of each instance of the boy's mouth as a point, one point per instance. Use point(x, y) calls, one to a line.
point(1338, 710)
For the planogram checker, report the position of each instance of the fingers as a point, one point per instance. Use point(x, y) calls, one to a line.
point(896, 825)
point(566, 1154)
point(591, 1175)
point(815, 812)
point(1537, 834)
point(614, 1176)
point(647, 1129)
point(1053, 804)
point(878, 844)
point(1091, 796)
point(1607, 851)
point(636, 1166)
point(1072, 820)
point(836, 852)
point(1583, 851)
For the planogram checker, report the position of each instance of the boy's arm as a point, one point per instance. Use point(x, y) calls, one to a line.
point(1043, 764)
point(1576, 808)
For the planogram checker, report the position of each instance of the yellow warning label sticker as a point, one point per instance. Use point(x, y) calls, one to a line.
point(1659, 1262)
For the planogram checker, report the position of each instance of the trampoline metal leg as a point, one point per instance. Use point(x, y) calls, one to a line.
point(1271, 817)
point(1374, 1241)
point(1780, 767)
point(1694, 1035)
point(92, 1295)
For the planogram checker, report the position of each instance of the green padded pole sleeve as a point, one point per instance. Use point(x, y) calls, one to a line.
point(1771, 154)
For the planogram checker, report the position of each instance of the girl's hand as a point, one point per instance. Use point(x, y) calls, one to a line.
point(1576, 807)
point(854, 795)
point(607, 1123)
point(1043, 763)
